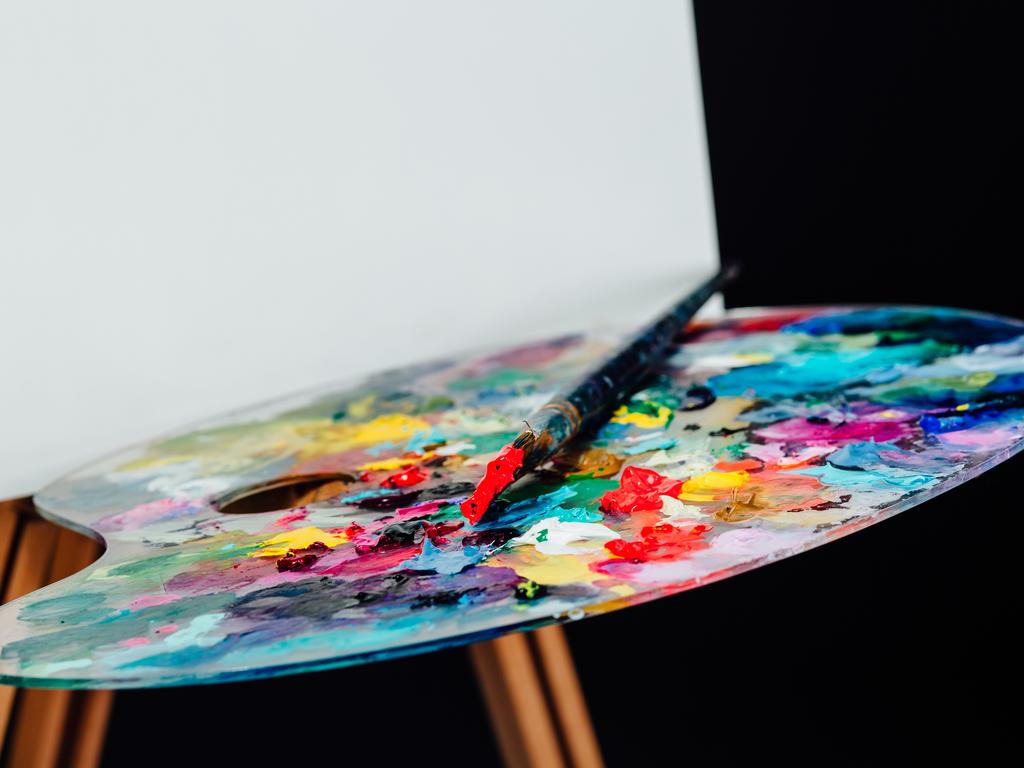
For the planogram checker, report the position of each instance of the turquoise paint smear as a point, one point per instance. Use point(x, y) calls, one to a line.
point(653, 444)
point(802, 373)
point(867, 480)
point(863, 464)
point(370, 493)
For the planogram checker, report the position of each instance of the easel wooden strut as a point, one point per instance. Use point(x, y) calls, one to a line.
point(528, 680)
point(43, 728)
point(535, 701)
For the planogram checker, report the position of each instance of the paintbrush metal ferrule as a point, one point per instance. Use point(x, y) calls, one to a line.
point(589, 401)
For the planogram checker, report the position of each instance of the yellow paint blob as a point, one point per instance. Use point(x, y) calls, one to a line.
point(361, 408)
point(335, 438)
point(724, 412)
point(299, 538)
point(152, 462)
point(754, 358)
point(706, 487)
point(978, 379)
point(549, 570)
point(643, 420)
point(396, 463)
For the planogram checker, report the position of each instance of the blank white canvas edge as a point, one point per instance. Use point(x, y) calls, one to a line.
point(209, 204)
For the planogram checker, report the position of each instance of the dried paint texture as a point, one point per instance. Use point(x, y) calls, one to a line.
point(768, 433)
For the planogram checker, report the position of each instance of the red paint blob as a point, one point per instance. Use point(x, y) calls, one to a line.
point(499, 475)
point(660, 542)
point(640, 490)
point(437, 532)
point(405, 478)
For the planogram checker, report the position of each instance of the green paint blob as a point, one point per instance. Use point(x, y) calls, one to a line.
point(503, 378)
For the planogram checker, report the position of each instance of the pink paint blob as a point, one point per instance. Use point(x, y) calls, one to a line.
point(993, 438)
point(134, 642)
point(294, 516)
point(148, 601)
point(832, 434)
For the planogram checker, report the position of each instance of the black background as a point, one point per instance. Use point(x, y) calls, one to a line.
point(860, 152)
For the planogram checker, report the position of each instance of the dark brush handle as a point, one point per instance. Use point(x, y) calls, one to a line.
point(591, 400)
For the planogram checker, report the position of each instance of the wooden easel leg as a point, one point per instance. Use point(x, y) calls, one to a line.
point(46, 728)
point(514, 695)
point(566, 694)
point(91, 715)
point(31, 553)
point(536, 705)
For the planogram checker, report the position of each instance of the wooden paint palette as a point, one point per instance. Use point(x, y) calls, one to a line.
point(324, 529)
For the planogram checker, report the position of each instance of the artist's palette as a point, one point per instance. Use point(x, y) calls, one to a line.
point(768, 433)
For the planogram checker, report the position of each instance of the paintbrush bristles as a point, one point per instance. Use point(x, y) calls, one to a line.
point(525, 439)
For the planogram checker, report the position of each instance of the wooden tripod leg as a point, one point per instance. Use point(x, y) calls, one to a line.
point(533, 695)
point(563, 684)
point(46, 728)
point(85, 740)
point(514, 695)
point(40, 732)
point(32, 554)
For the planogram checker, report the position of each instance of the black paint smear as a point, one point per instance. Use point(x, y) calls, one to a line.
point(831, 504)
point(446, 491)
point(725, 432)
point(495, 537)
point(404, 534)
point(316, 598)
point(697, 398)
point(389, 501)
point(442, 598)
point(303, 558)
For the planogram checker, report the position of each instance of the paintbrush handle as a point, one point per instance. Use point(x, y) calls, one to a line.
point(590, 400)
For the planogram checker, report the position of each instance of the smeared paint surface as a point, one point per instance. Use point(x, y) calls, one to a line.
point(765, 434)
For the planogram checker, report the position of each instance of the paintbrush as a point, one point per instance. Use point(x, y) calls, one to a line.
point(589, 401)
